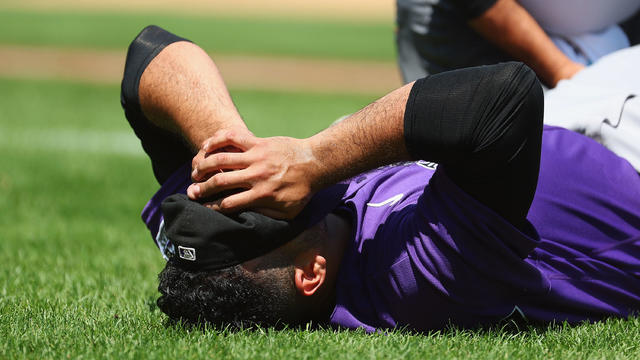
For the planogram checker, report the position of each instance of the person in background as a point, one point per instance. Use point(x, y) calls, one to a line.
point(555, 38)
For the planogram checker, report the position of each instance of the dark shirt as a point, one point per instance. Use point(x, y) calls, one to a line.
point(434, 36)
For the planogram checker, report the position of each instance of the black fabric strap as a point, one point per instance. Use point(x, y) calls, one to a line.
point(484, 126)
point(166, 150)
point(144, 48)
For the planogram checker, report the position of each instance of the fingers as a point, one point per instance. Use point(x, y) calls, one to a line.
point(219, 182)
point(206, 165)
point(196, 159)
point(242, 140)
point(209, 159)
point(234, 202)
point(245, 200)
point(270, 173)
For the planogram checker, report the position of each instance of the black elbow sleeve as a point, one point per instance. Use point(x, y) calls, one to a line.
point(484, 126)
point(166, 151)
point(473, 116)
point(144, 48)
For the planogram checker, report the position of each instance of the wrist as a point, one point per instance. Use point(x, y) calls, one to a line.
point(566, 70)
point(319, 165)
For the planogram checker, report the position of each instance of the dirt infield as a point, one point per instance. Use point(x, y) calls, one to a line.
point(332, 9)
point(239, 71)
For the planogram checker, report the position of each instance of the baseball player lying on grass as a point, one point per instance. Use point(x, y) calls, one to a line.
point(358, 227)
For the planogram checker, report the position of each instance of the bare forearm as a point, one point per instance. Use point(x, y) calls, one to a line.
point(181, 90)
point(370, 138)
point(509, 26)
point(280, 174)
point(463, 120)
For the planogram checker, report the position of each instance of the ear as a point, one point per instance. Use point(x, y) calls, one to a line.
point(310, 276)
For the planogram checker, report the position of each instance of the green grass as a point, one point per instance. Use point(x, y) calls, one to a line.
point(286, 37)
point(78, 271)
point(31, 107)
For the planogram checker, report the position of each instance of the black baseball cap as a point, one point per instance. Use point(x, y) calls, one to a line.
point(204, 239)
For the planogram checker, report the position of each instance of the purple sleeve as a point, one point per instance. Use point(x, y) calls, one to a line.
point(176, 183)
point(464, 261)
point(429, 256)
point(430, 259)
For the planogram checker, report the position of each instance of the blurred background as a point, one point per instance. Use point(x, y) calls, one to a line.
point(280, 44)
point(77, 266)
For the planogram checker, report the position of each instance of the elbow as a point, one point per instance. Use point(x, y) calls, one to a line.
point(532, 100)
point(521, 99)
point(517, 120)
point(510, 110)
point(144, 48)
point(133, 68)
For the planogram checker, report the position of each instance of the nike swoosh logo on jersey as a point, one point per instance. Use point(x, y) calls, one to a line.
point(390, 201)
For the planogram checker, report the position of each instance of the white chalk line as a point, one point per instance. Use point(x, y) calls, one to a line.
point(115, 142)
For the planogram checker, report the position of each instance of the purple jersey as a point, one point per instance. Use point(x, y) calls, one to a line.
point(425, 254)
point(426, 257)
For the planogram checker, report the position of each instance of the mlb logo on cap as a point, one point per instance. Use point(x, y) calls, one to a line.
point(222, 241)
point(187, 253)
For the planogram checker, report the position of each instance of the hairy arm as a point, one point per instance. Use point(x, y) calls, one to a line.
point(371, 137)
point(510, 27)
point(181, 90)
point(280, 174)
point(482, 124)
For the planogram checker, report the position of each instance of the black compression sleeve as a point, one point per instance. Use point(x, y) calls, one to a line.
point(484, 126)
point(144, 48)
point(166, 150)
